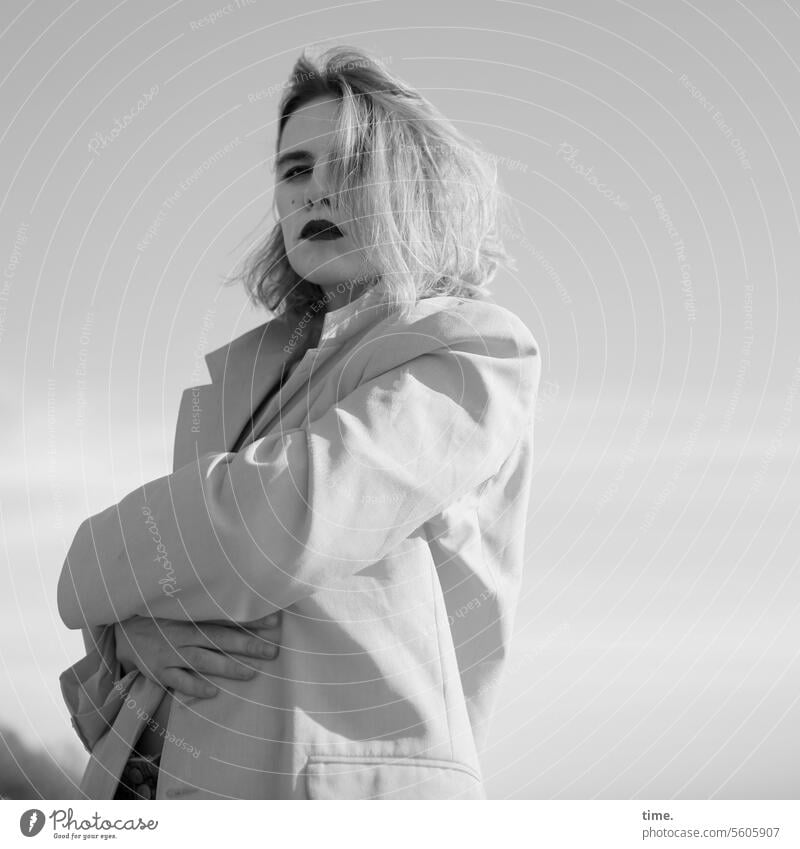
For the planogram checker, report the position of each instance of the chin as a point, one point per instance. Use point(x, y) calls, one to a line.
point(329, 275)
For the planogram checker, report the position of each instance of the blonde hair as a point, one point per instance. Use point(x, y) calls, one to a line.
point(423, 199)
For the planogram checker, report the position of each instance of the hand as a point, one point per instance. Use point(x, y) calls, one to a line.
point(178, 654)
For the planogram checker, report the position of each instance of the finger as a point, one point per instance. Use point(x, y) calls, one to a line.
point(264, 652)
point(236, 641)
point(207, 662)
point(185, 682)
point(268, 638)
point(263, 643)
point(268, 621)
point(271, 620)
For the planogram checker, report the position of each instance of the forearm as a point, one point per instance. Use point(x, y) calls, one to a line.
point(241, 535)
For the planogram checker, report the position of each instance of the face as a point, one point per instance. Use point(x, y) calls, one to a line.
point(303, 195)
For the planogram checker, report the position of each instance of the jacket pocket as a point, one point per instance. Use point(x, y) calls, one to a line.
point(388, 777)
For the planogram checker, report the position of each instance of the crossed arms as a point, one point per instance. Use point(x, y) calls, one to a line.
point(242, 535)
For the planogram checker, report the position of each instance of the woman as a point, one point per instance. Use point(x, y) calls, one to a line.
point(352, 486)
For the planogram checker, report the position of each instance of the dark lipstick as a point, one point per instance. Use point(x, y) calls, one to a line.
point(320, 228)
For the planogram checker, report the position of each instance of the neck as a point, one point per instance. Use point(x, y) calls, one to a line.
point(344, 294)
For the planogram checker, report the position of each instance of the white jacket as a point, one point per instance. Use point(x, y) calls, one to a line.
point(382, 507)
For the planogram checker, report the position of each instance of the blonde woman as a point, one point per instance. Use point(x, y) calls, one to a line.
point(317, 602)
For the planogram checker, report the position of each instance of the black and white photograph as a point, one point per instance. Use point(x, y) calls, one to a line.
point(400, 402)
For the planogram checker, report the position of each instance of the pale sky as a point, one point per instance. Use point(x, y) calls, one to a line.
point(651, 151)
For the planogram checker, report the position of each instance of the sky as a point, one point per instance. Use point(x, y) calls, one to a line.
point(650, 152)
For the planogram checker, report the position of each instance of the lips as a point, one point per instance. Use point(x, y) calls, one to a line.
point(320, 228)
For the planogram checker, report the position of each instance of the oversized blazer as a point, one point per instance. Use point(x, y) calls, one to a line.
point(378, 498)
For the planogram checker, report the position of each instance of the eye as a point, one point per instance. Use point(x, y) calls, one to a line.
point(291, 172)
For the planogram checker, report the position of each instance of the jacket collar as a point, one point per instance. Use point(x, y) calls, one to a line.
point(257, 352)
point(213, 416)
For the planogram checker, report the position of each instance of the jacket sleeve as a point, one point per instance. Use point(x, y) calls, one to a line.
point(239, 535)
point(94, 688)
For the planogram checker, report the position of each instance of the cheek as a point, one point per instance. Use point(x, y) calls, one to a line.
point(285, 202)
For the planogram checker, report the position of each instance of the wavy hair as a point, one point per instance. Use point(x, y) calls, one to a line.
point(422, 199)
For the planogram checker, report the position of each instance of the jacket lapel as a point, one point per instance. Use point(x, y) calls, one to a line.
point(111, 751)
point(289, 406)
point(211, 417)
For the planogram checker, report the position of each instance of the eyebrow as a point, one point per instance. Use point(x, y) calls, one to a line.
point(291, 156)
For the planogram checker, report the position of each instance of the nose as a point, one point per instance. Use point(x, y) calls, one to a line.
point(316, 190)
